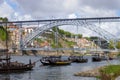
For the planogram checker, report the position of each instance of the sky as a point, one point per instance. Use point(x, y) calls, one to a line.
point(50, 9)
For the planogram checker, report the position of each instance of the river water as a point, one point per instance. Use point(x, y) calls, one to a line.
point(53, 72)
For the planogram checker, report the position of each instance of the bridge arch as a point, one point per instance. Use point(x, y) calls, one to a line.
point(39, 30)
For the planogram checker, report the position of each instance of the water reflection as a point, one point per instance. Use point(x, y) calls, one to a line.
point(7, 77)
point(16, 76)
point(50, 74)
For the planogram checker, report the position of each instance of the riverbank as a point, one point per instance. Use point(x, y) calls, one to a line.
point(110, 72)
point(89, 73)
point(63, 53)
point(43, 53)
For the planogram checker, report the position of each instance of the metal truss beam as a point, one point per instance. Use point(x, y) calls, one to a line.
point(39, 30)
point(96, 19)
point(101, 32)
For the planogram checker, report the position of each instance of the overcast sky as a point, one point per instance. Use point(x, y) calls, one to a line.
point(48, 9)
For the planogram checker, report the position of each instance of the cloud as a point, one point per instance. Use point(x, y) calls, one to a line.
point(112, 28)
point(44, 9)
point(72, 16)
point(18, 17)
point(47, 9)
point(1, 1)
point(88, 11)
point(102, 4)
point(63, 8)
point(6, 10)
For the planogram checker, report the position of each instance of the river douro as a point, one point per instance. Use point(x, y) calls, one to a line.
point(53, 72)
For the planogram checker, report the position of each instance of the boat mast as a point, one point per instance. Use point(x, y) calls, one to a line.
point(56, 38)
point(6, 43)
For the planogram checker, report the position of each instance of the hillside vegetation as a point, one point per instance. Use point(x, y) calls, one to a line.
point(61, 38)
point(2, 34)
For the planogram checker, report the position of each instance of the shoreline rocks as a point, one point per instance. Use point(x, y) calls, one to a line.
point(89, 73)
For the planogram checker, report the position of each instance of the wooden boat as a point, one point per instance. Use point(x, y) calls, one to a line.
point(96, 58)
point(72, 58)
point(82, 60)
point(78, 59)
point(6, 66)
point(61, 62)
point(104, 58)
point(45, 60)
point(110, 58)
point(54, 60)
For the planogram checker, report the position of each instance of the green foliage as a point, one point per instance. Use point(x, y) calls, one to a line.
point(93, 38)
point(79, 35)
point(118, 54)
point(3, 34)
point(5, 19)
point(118, 45)
point(61, 31)
point(110, 72)
point(53, 44)
point(54, 28)
point(111, 69)
point(70, 43)
point(59, 45)
point(66, 33)
point(111, 45)
point(87, 38)
point(39, 40)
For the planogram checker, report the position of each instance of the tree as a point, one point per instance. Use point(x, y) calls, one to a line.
point(5, 19)
point(111, 45)
point(93, 38)
point(118, 45)
point(79, 35)
point(3, 33)
point(87, 38)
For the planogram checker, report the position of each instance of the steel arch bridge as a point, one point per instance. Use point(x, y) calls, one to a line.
point(88, 23)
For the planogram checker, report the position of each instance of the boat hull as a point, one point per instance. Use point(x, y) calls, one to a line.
point(17, 69)
point(77, 59)
point(45, 62)
point(60, 62)
point(94, 59)
point(82, 61)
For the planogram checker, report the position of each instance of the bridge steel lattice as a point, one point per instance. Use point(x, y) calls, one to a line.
point(88, 23)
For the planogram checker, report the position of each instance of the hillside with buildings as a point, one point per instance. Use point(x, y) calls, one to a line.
point(53, 38)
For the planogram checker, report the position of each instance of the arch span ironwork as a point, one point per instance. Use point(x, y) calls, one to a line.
point(39, 30)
